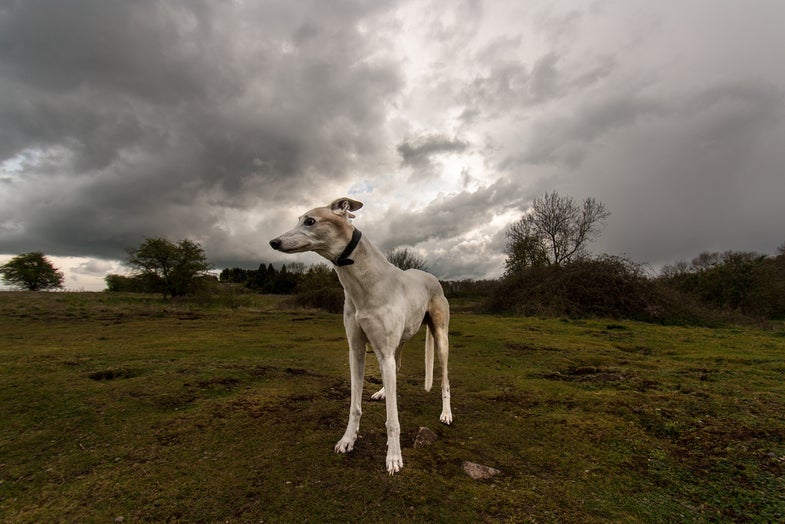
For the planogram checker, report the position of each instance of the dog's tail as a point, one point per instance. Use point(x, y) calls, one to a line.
point(428, 358)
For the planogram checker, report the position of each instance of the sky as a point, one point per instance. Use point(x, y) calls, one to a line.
point(222, 121)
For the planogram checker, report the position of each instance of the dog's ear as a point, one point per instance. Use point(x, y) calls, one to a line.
point(343, 206)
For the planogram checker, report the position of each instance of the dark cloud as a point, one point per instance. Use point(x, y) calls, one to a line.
point(565, 139)
point(418, 152)
point(698, 176)
point(730, 111)
point(127, 119)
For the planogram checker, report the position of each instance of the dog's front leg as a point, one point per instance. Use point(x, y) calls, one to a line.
point(388, 368)
point(357, 371)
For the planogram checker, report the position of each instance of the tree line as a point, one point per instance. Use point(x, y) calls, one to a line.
point(548, 271)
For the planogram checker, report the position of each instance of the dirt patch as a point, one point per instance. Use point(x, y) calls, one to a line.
point(113, 373)
point(173, 401)
point(638, 350)
point(601, 375)
point(262, 371)
point(522, 346)
point(588, 374)
point(190, 316)
point(298, 371)
point(339, 390)
point(227, 382)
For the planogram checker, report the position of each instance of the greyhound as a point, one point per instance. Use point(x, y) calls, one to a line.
point(384, 307)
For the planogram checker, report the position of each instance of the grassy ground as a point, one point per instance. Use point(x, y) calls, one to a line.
point(125, 406)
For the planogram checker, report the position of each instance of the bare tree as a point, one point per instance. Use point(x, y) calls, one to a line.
point(706, 260)
point(406, 259)
point(555, 230)
point(678, 268)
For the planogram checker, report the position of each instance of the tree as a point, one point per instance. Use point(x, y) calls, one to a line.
point(32, 271)
point(525, 249)
point(554, 231)
point(236, 275)
point(406, 259)
point(284, 282)
point(176, 268)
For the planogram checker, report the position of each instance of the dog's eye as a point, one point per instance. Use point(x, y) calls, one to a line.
point(309, 221)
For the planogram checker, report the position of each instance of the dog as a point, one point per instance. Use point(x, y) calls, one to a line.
point(384, 307)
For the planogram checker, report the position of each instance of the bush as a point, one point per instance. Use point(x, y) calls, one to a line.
point(674, 307)
point(146, 283)
point(468, 288)
point(607, 286)
point(327, 299)
point(732, 283)
point(319, 288)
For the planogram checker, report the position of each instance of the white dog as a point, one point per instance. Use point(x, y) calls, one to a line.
point(384, 307)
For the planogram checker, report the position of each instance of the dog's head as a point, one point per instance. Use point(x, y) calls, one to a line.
point(324, 230)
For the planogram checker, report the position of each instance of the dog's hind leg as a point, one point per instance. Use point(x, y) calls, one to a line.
point(381, 394)
point(440, 322)
point(428, 355)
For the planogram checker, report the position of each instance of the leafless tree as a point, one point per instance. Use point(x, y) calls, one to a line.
point(406, 259)
point(554, 231)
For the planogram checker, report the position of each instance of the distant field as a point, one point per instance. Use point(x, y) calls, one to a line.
point(127, 406)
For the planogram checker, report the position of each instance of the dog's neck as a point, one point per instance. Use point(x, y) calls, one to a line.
point(343, 259)
point(368, 270)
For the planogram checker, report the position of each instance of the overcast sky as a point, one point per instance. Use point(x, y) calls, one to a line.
point(222, 121)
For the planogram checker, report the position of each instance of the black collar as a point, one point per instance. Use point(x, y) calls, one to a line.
point(343, 259)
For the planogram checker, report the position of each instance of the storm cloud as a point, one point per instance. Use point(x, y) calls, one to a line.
point(222, 121)
point(418, 151)
point(125, 119)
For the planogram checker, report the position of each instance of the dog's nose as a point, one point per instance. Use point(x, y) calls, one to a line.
point(275, 244)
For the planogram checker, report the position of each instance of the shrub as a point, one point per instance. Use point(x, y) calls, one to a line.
point(327, 299)
point(468, 288)
point(606, 286)
point(732, 283)
point(319, 288)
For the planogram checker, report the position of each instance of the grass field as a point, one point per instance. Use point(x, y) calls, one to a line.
point(126, 406)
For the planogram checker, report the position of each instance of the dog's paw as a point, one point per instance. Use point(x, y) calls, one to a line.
point(394, 463)
point(446, 417)
point(345, 445)
point(379, 395)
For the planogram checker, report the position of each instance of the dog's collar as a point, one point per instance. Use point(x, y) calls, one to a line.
point(343, 259)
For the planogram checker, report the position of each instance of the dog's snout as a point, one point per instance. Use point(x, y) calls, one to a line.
point(275, 244)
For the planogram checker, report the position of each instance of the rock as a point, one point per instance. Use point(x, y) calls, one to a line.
point(478, 471)
point(425, 437)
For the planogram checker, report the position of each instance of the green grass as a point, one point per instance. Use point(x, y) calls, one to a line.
point(123, 405)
